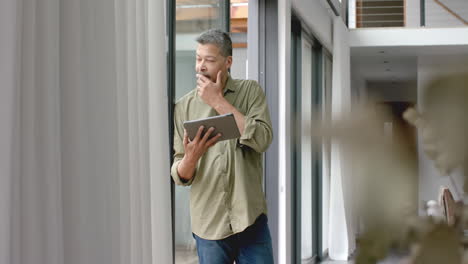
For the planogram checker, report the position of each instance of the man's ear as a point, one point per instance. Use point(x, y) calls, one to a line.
point(228, 63)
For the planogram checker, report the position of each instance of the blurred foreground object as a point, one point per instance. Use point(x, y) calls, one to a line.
point(443, 125)
point(383, 173)
point(442, 122)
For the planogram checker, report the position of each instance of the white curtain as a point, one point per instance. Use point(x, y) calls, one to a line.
point(84, 175)
point(341, 235)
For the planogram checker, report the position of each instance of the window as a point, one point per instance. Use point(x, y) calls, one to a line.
point(191, 18)
point(306, 164)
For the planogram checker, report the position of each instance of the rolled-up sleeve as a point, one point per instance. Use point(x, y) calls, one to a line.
point(258, 132)
point(178, 148)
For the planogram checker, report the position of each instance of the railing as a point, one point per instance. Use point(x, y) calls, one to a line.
point(407, 13)
point(380, 13)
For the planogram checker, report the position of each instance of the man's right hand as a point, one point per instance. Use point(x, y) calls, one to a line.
point(194, 150)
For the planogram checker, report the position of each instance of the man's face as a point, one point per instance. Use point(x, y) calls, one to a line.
point(209, 61)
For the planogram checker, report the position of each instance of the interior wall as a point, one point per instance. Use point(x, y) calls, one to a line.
point(239, 63)
point(392, 91)
point(430, 179)
point(358, 87)
point(437, 16)
point(413, 13)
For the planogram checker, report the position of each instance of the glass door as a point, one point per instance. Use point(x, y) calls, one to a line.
point(307, 221)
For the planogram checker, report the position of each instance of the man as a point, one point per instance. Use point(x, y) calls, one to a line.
point(227, 205)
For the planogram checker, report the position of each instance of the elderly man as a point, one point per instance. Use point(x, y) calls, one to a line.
point(227, 204)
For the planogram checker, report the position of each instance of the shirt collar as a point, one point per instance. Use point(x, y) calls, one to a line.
point(230, 87)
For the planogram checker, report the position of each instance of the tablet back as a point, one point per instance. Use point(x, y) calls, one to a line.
point(224, 124)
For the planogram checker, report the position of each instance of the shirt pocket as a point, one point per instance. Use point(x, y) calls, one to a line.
point(219, 164)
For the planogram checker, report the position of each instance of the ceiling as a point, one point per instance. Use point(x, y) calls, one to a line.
point(395, 63)
point(383, 67)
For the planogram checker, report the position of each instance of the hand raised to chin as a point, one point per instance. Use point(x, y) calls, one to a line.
point(210, 92)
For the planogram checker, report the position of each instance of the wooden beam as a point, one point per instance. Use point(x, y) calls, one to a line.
point(239, 25)
point(239, 45)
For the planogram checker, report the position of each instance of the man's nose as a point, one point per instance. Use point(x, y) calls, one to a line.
point(202, 66)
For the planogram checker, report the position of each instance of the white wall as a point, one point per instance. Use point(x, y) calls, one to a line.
point(413, 13)
point(390, 37)
point(430, 179)
point(358, 87)
point(436, 16)
point(239, 63)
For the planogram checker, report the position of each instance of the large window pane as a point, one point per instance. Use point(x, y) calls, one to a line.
point(192, 18)
point(326, 147)
point(306, 154)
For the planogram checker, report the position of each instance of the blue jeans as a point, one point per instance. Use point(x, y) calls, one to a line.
point(251, 246)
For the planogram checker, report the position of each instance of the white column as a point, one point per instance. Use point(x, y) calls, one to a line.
point(284, 133)
point(341, 236)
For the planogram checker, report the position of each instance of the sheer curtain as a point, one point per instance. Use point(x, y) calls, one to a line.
point(84, 175)
point(340, 235)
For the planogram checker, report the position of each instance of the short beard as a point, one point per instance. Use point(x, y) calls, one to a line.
point(206, 75)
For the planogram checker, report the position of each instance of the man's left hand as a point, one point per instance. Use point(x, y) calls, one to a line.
point(210, 92)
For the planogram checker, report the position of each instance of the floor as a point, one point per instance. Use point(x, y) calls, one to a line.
point(189, 256)
point(389, 260)
point(337, 262)
point(184, 255)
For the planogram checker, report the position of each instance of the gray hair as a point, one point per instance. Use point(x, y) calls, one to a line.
point(219, 38)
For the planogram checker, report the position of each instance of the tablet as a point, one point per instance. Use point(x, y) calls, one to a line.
point(224, 124)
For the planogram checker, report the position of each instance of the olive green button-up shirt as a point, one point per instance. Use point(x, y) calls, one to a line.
point(226, 194)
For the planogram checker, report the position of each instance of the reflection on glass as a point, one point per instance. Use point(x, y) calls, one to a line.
point(326, 154)
point(307, 190)
point(239, 16)
point(192, 18)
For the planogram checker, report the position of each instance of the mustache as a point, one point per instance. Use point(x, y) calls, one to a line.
point(204, 74)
